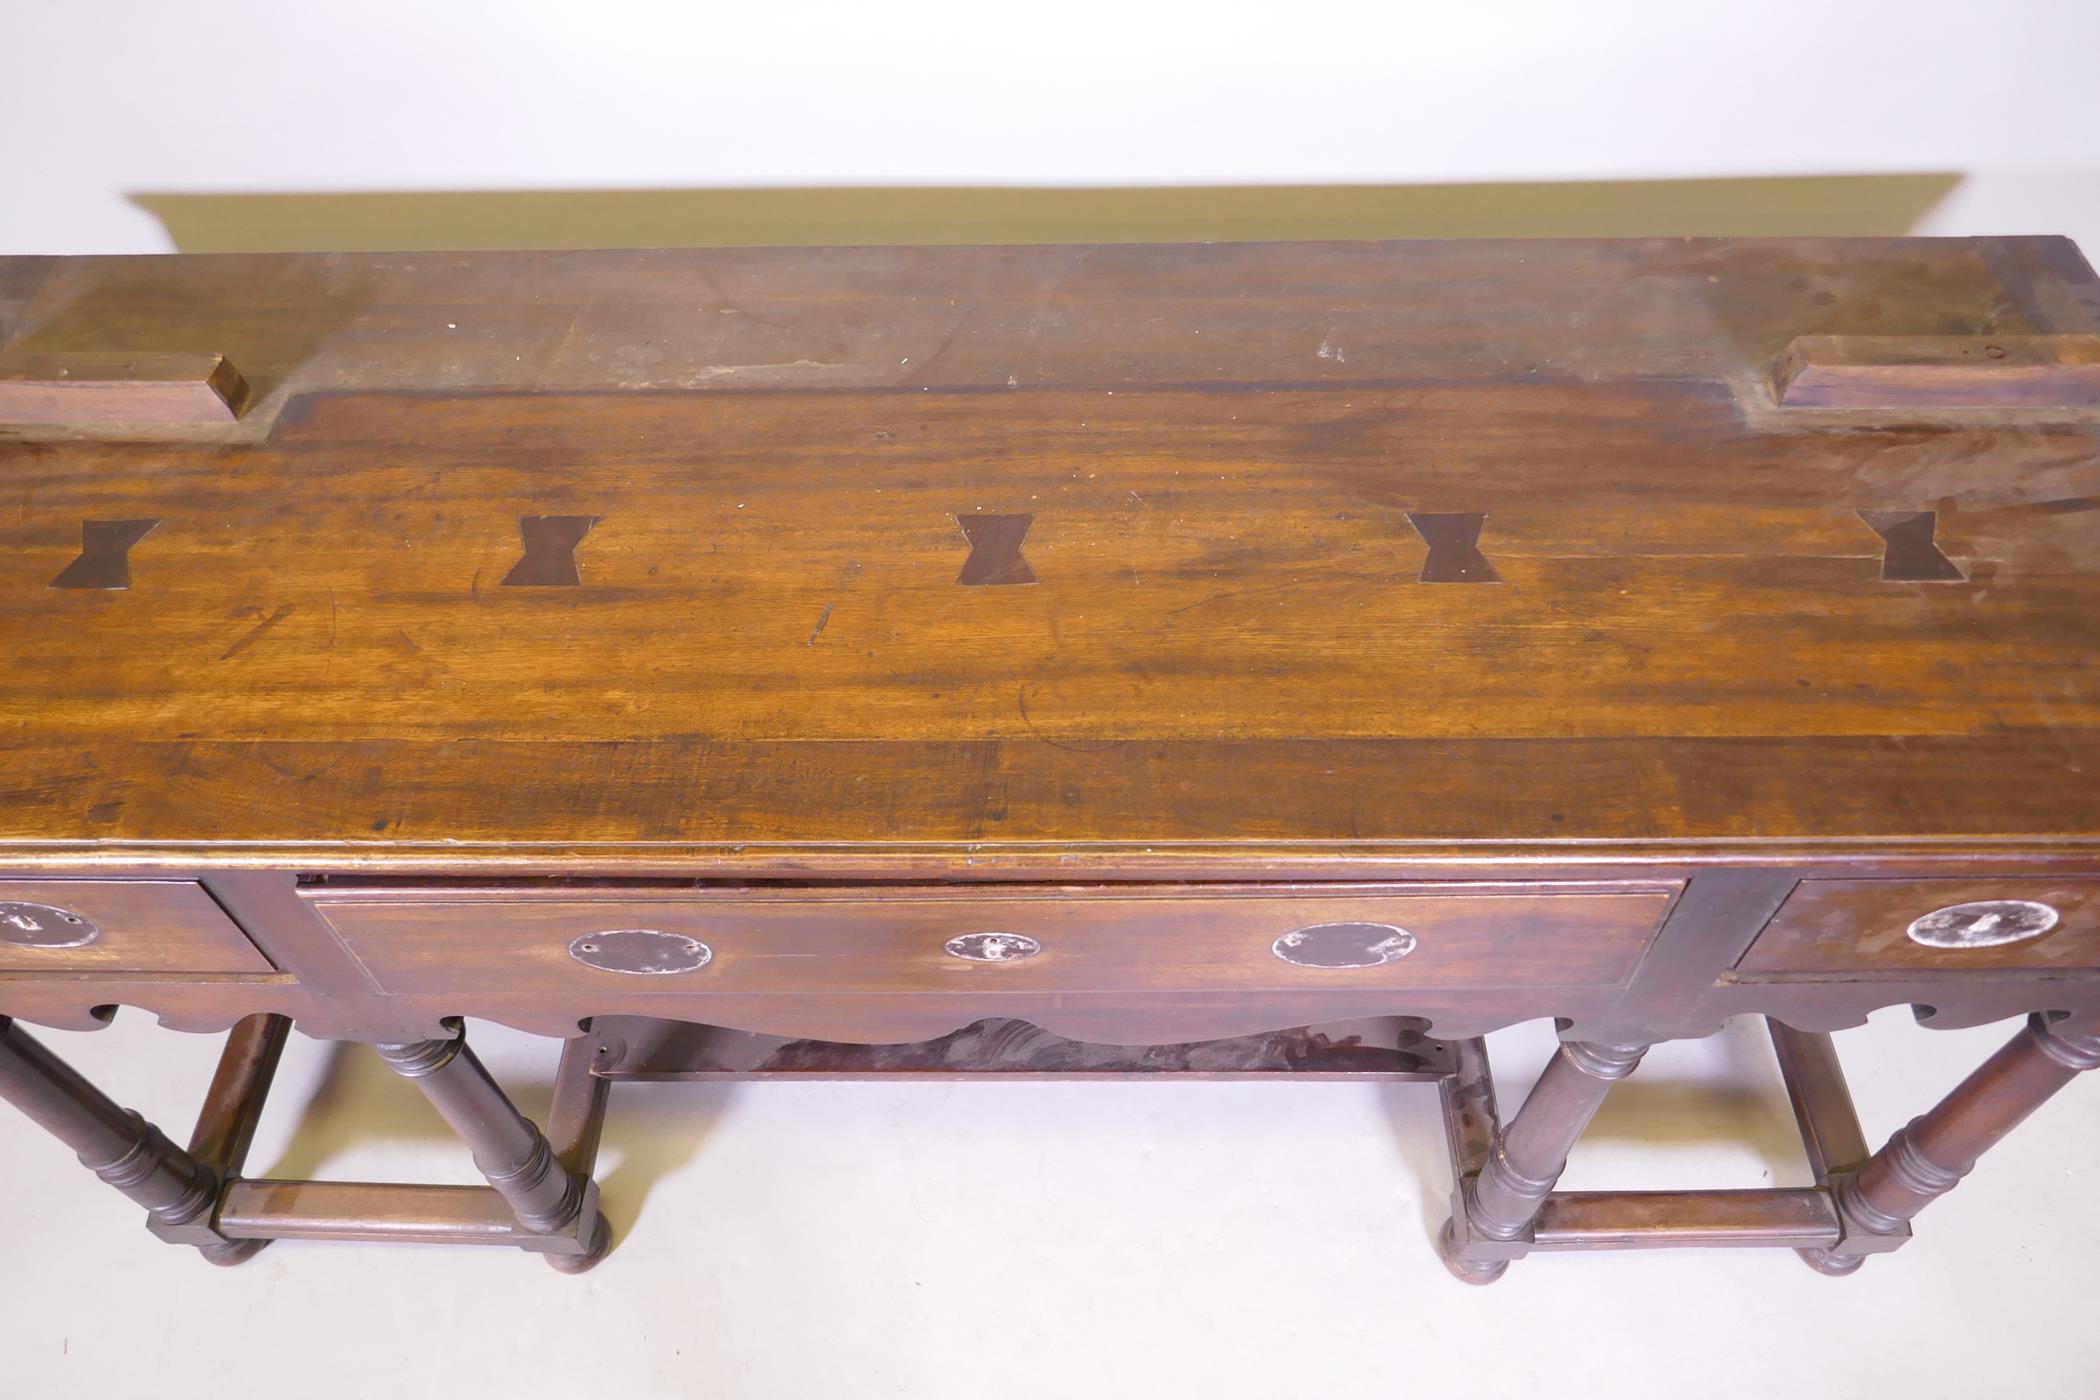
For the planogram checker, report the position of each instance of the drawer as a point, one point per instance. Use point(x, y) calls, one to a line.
point(120, 926)
point(1033, 939)
point(2023, 924)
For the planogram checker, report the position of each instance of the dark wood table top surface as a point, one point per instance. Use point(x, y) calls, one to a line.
point(1107, 557)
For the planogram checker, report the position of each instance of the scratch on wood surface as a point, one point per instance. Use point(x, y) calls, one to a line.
point(553, 357)
point(818, 630)
point(947, 341)
point(256, 633)
point(1028, 721)
point(719, 371)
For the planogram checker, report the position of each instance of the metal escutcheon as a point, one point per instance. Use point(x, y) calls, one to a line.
point(1345, 945)
point(45, 926)
point(991, 947)
point(1986, 923)
point(641, 952)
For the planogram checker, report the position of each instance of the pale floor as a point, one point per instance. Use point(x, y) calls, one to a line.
point(977, 1240)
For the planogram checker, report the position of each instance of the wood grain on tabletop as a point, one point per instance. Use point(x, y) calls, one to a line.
point(1223, 468)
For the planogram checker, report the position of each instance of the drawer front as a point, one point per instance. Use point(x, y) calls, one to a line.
point(1834, 927)
point(1035, 940)
point(101, 926)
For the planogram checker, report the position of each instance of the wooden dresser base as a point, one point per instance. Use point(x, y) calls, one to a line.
point(1053, 661)
point(541, 1197)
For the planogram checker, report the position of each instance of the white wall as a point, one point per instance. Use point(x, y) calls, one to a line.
point(99, 102)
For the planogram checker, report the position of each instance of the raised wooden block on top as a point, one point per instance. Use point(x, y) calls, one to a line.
point(119, 388)
point(1941, 372)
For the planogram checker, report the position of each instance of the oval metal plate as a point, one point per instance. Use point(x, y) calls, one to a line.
point(45, 926)
point(1345, 945)
point(641, 952)
point(991, 947)
point(1985, 923)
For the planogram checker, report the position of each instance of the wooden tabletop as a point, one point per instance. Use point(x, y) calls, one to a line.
point(1306, 553)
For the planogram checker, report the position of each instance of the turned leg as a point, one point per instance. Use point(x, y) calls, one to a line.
point(509, 1150)
point(1928, 1156)
point(118, 1145)
point(1530, 1153)
point(233, 1108)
